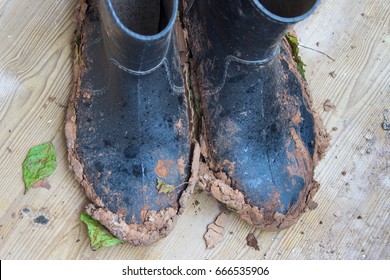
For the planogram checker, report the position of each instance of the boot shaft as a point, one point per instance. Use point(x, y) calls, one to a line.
point(137, 33)
point(250, 30)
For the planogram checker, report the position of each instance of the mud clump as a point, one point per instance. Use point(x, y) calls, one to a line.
point(215, 231)
point(251, 241)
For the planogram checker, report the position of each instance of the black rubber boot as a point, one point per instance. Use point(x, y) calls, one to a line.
point(127, 124)
point(262, 136)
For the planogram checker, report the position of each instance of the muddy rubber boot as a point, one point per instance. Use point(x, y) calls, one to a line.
point(127, 123)
point(262, 137)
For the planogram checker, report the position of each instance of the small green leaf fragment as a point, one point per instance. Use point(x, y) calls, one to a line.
point(294, 44)
point(40, 163)
point(99, 236)
point(162, 187)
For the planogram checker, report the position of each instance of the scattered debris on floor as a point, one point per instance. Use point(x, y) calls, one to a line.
point(37, 218)
point(328, 106)
point(251, 241)
point(215, 231)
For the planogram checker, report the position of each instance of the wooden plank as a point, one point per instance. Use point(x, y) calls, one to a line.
point(352, 219)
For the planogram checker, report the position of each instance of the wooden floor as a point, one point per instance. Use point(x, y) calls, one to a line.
point(352, 218)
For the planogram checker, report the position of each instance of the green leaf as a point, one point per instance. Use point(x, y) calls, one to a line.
point(294, 44)
point(39, 164)
point(99, 236)
point(162, 187)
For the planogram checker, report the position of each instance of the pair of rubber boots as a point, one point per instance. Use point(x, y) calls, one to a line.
point(144, 81)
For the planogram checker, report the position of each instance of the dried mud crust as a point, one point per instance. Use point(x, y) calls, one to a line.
point(156, 224)
point(218, 184)
point(215, 231)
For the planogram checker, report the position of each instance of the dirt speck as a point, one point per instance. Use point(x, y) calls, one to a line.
point(312, 205)
point(343, 173)
point(51, 99)
point(333, 74)
point(328, 106)
point(359, 217)
point(335, 128)
point(251, 241)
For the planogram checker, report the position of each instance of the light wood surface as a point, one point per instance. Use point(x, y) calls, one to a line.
point(352, 218)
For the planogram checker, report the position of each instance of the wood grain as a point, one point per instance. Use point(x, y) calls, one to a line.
point(352, 219)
